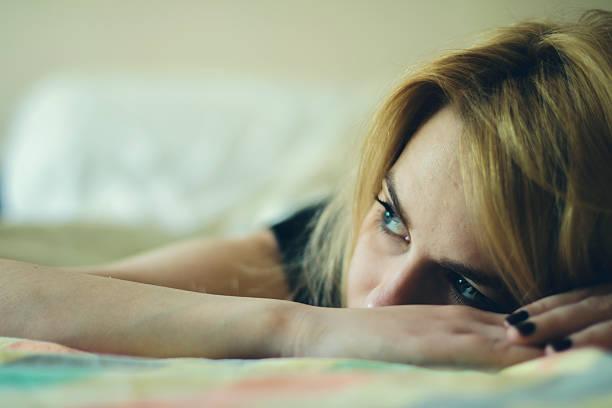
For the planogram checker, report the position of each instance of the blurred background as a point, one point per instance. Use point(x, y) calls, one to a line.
point(209, 115)
point(316, 40)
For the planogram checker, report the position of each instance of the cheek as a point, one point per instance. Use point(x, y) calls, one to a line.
point(367, 263)
point(361, 277)
point(376, 256)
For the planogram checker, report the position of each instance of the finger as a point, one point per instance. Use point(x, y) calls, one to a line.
point(561, 321)
point(551, 302)
point(476, 350)
point(545, 304)
point(507, 354)
point(597, 335)
point(514, 354)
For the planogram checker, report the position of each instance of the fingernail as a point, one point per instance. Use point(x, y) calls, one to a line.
point(526, 328)
point(561, 344)
point(517, 317)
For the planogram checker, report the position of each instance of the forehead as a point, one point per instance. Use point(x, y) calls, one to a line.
point(430, 187)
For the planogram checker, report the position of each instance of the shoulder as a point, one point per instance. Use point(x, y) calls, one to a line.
point(292, 233)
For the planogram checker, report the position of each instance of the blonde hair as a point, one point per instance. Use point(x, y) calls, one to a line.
point(536, 104)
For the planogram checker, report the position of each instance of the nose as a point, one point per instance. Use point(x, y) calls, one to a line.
point(401, 286)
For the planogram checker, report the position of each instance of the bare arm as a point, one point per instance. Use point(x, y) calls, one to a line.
point(115, 316)
point(102, 314)
point(159, 312)
point(244, 266)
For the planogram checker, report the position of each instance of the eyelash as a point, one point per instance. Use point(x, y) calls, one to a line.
point(456, 281)
point(388, 209)
point(479, 300)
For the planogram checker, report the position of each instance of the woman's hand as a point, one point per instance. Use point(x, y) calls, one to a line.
point(578, 318)
point(415, 334)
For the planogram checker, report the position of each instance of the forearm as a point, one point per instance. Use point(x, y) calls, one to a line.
point(248, 266)
point(105, 315)
point(115, 316)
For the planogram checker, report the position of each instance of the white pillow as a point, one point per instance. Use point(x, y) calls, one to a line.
point(223, 154)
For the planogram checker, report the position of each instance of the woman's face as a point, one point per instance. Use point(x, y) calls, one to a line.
point(418, 244)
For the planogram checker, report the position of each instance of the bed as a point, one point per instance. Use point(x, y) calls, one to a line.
point(99, 168)
point(41, 374)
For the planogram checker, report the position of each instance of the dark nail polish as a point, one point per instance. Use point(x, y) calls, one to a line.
point(526, 328)
point(517, 317)
point(561, 344)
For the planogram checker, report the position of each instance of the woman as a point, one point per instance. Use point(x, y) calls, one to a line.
point(482, 187)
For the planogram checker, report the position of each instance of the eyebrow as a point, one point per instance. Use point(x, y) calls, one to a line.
point(475, 275)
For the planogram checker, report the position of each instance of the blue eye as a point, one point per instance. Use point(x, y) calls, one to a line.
point(392, 222)
point(389, 221)
point(465, 292)
point(466, 289)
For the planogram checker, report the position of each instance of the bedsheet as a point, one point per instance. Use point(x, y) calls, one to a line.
point(42, 374)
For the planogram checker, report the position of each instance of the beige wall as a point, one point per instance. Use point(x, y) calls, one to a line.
point(317, 40)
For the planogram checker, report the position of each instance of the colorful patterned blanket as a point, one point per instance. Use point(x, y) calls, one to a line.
point(41, 374)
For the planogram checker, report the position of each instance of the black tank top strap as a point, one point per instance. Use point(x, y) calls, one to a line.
point(292, 235)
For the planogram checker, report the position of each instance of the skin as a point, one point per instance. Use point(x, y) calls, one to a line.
point(227, 298)
point(395, 279)
point(584, 316)
point(405, 267)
